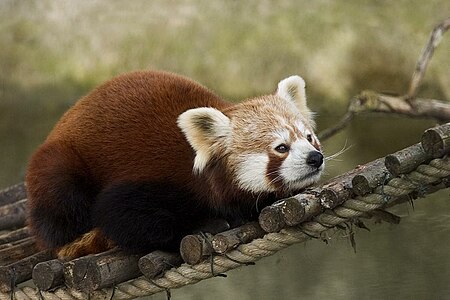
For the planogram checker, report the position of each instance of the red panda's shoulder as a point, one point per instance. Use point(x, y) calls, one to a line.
point(127, 127)
point(139, 97)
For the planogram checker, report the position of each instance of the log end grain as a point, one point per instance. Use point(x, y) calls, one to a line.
point(436, 142)
point(48, 274)
point(361, 185)
point(393, 164)
point(155, 263)
point(220, 244)
point(405, 160)
point(328, 198)
point(191, 249)
point(271, 219)
point(293, 212)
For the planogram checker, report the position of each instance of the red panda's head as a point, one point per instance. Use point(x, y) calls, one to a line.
point(268, 143)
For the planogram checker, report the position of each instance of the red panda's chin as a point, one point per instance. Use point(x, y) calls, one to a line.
point(303, 182)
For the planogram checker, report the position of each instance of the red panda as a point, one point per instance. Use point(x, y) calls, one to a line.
point(147, 156)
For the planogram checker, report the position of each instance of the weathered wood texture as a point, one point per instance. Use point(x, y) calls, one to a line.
point(194, 248)
point(406, 160)
point(156, 263)
point(337, 190)
point(12, 194)
point(48, 274)
point(231, 239)
point(13, 236)
point(436, 141)
point(286, 212)
point(101, 270)
point(16, 250)
point(21, 270)
point(372, 175)
point(13, 215)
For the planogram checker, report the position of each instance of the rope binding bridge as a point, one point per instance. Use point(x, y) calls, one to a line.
point(364, 192)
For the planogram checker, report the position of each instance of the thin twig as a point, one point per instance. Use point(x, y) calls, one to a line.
point(425, 57)
point(323, 135)
point(408, 105)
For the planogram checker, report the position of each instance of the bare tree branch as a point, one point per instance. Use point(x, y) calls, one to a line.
point(425, 57)
point(373, 102)
point(407, 105)
point(370, 101)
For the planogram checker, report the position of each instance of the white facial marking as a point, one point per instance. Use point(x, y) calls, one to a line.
point(294, 170)
point(282, 136)
point(300, 126)
point(251, 173)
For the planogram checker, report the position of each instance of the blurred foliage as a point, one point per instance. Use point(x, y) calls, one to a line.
point(238, 48)
point(54, 51)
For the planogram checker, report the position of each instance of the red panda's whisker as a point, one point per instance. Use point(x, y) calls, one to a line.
point(333, 156)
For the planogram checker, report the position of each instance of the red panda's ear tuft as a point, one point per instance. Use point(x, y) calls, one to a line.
point(206, 130)
point(293, 89)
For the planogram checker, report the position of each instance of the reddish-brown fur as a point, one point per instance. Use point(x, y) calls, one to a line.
point(146, 106)
point(125, 131)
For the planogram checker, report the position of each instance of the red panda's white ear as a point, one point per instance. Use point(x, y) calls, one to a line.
point(205, 129)
point(293, 89)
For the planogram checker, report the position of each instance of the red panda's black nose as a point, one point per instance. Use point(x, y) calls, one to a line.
point(314, 159)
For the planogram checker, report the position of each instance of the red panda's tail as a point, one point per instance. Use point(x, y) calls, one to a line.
point(60, 195)
point(89, 243)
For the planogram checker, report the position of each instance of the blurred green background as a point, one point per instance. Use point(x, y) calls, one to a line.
point(52, 52)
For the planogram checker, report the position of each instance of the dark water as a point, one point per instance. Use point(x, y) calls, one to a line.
point(404, 261)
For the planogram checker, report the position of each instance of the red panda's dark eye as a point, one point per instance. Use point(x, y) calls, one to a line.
point(282, 148)
point(309, 138)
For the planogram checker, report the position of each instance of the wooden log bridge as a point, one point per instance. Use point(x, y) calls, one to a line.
point(363, 192)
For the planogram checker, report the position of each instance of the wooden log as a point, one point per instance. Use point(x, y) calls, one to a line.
point(8, 245)
point(406, 160)
point(12, 194)
point(311, 202)
point(338, 189)
point(48, 274)
point(13, 215)
point(436, 141)
point(231, 239)
point(21, 270)
point(101, 270)
point(372, 175)
point(292, 211)
point(14, 235)
point(197, 246)
point(156, 263)
point(285, 212)
point(335, 194)
point(271, 219)
point(18, 250)
point(194, 248)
